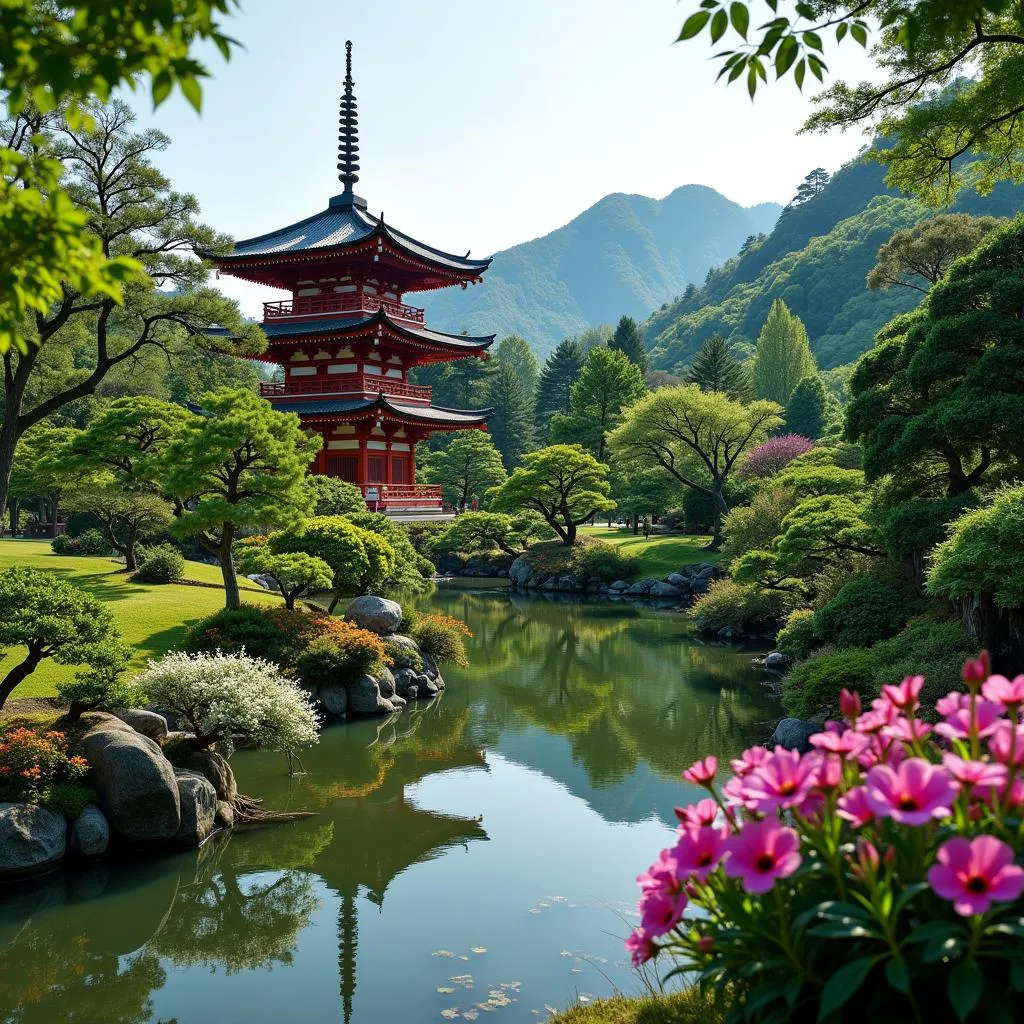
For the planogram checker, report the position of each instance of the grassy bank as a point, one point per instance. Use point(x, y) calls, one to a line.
point(152, 617)
point(686, 1007)
point(657, 555)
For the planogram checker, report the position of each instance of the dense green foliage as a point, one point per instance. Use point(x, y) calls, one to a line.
point(629, 340)
point(808, 407)
point(334, 497)
point(605, 562)
point(740, 607)
point(296, 573)
point(163, 563)
point(561, 370)
point(467, 468)
point(782, 356)
point(865, 610)
point(814, 685)
point(511, 415)
point(714, 368)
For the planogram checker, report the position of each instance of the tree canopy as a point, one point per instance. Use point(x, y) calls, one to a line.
point(782, 357)
point(511, 416)
point(629, 340)
point(561, 370)
point(714, 368)
point(467, 468)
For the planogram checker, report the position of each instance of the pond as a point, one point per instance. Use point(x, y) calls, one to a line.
point(472, 858)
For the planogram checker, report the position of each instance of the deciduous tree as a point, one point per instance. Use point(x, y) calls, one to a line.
point(467, 468)
point(296, 573)
point(125, 516)
point(783, 355)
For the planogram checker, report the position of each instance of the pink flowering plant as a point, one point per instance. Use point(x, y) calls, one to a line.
point(874, 878)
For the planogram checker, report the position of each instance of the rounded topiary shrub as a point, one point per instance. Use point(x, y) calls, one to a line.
point(741, 607)
point(814, 685)
point(64, 544)
point(92, 542)
point(606, 562)
point(276, 635)
point(162, 564)
point(341, 656)
point(798, 638)
point(443, 637)
point(866, 610)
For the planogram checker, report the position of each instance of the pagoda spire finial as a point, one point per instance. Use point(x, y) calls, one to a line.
point(348, 130)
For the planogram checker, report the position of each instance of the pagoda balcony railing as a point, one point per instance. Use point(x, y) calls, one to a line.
point(401, 495)
point(346, 384)
point(312, 305)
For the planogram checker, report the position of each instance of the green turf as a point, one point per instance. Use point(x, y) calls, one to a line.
point(686, 1007)
point(657, 555)
point(152, 617)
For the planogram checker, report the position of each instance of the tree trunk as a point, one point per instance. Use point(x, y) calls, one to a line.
point(232, 597)
point(14, 505)
point(18, 675)
point(570, 533)
point(130, 558)
point(719, 509)
point(8, 442)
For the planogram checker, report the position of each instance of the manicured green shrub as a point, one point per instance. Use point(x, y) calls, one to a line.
point(605, 561)
point(163, 563)
point(741, 607)
point(64, 544)
point(276, 635)
point(424, 536)
point(813, 686)
point(865, 610)
point(410, 570)
point(342, 657)
point(92, 542)
point(67, 798)
point(755, 526)
point(443, 637)
point(797, 637)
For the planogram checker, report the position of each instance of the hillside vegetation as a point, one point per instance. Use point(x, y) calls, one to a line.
point(816, 260)
point(627, 254)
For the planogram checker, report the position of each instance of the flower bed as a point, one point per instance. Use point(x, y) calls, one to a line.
point(35, 768)
point(872, 878)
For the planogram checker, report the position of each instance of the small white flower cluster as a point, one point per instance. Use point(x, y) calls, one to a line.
point(232, 695)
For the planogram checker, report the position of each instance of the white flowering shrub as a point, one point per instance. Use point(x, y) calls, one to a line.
point(224, 697)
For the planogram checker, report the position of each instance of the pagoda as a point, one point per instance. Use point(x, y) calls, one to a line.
point(346, 340)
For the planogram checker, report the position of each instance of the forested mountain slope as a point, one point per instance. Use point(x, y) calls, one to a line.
point(627, 254)
point(816, 260)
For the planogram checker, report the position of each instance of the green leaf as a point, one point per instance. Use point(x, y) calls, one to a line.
point(193, 92)
point(841, 29)
point(964, 988)
point(788, 52)
point(908, 894)
point(940, 949)
point(897, 975)
point(844, 930)
point(813, 40)
point(799, 72)
point(860, 33)
point(693, 24)
point(792, 989)
point(843, 985)
point(836, 911)
point(933, 930)
point(719, 23)
point(162, 85)
point(740, 17)
point(752, 80)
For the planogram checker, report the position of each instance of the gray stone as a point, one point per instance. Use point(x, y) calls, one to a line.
point(412, 693)
point(198, 800)
point(137, 788)
point(640, 587)
point(364, 697)
point(215, 769)
point(397, 702)
point(678, 580)
point(549, 584)
point(375, 613)
point(403, 679)
point(386, 683)
point(520, 572)
point(700, 584)
point(334, 698)
point(149, 723)
point(90, 833)
point(32, 839)
point(778, 661)
point(171, 719)
point(663, 590)
point(429, 665)
point(618, 586)
point(405, 651)
point(102, 719)
point(793, 734)
point(225, 815)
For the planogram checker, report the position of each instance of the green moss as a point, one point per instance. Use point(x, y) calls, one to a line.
point(687, 1007)
point(67, 798)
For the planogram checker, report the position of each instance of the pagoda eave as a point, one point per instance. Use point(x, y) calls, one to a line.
point(431, 417)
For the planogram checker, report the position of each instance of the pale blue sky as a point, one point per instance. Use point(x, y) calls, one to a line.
point(482, 124)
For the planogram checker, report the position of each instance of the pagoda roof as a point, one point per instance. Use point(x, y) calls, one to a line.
point(345, 224)
point(433, 415)
point(347, 325)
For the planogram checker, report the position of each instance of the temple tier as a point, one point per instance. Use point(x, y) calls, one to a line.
point(346, 340)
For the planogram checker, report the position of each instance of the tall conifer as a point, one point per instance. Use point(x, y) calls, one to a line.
point(560, 372)
point(629, 340)
point(511, 417)
point(783, 355)
point(714, 368)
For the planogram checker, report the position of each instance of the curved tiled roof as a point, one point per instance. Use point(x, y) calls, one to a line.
point(434, 414)
point(343, 325)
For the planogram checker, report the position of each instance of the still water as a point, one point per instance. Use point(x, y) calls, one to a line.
point(470, 859)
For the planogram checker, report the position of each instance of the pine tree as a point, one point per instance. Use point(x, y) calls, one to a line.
point(629, 340)
point(511, 417)
point(783, 355)
point(807, 411)
point(516, 351)
point(715, 369)
point(814, 183)
point(560, 372)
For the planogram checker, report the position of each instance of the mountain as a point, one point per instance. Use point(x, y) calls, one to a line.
point(816, 259)
point(626, 254)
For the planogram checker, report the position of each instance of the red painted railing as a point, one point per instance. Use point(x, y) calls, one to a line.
point(309, 305)
point(346, 384)
point(381, 497)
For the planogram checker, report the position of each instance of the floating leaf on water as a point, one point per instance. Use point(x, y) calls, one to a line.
point(462, 979)
point(442, 952)
point(559, 899)
point(445, 990)
point(450, 1014)
point(471, 1014)
point(486, 1007)
point(478, 950)
point(515, 986)
point(534, 910)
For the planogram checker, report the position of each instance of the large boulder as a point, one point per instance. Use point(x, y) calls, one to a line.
point(198, 801)
point(89, 835)
point(334, 698)
point(215, 769)
point(793, 734)
point(377, 614)
point(520, 572)
point(149, 723)
point(137, 788)
point(663, 590)
point(777, 661)
point(386, 683)
point(364, 698)
point(679, 581)
point(32, 839)
point(405, 650)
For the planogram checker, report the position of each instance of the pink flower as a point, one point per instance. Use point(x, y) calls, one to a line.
point(640, 947)
point(660, 910)
point(784, 780)
point(974, 773)
point(662, 875)
point(912, 794)
point(975, 873)
point(952, 703)
point(867, 856)
point(1006, 744)
point(847, 744)
point(904, 695)
point(849, 705)
point(976, 670)
point(700, 773)
point(906, 730)
point(854, 807)
point(956, 725)
point(749, 760)
point(706, 943)
point(762, 852)
point(1004, 692)
point(882, 713)
point(703, 812)
point(699, 850)
point(830, 770)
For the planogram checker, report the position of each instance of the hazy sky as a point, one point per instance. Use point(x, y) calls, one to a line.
point(482, 124)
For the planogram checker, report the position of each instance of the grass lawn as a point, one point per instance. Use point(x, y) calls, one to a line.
point(657, 555)
point(686, 1007)
point(152, 617)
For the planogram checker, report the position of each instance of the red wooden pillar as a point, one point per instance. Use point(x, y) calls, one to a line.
point(363, 471)
point(321, 457)
point(388, 476)
point(413, 439)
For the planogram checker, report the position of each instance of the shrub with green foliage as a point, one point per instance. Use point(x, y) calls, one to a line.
point(163, 563)
point(755, 525)
point(334, 497)
point(92, 542)
point(342, 656)
point(606, 562)
point(64, 544)
point(690, 1006)
point(741, 607)
point(275, 635)
point(797, 638)
point(411, 570)
point(33, 761)
point(443, 637)
point(813, 686)
point(865, 610)
point(424, 536)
